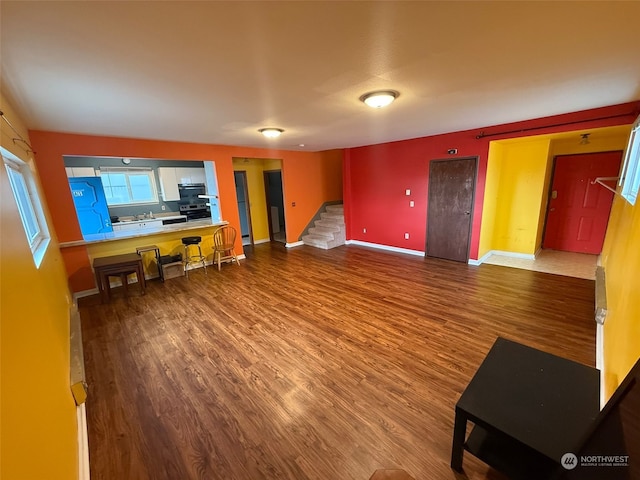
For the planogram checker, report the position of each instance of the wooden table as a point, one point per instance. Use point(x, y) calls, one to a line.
point(529, 408)
point(117, 265)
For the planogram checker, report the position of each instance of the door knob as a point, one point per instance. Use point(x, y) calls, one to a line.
point(467, 213)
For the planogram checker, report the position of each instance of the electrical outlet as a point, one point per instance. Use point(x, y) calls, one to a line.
point(364, 230)
point(164, 207)
point(407, 192)
point(406, 236)
point(412, 203)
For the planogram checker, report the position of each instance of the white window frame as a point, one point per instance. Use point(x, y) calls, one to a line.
point(29, 205)
point(137, 171)
point(630, 178)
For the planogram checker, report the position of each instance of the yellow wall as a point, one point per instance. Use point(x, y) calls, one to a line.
point(621, 261)
point(490, 205)
point(517, 179)
point(257, 199)
point(38, 435)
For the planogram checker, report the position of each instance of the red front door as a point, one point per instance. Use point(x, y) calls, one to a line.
point(578, 211)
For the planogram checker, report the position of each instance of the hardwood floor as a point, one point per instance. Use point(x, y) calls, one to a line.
point(309, 364)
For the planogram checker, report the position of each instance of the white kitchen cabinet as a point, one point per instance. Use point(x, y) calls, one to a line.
point(168, 183)
point(151, 224)
point(137, 225)
point(80, 172)
point(197, 176)
point(171, 177)
point(118, 227)
point(190, 175)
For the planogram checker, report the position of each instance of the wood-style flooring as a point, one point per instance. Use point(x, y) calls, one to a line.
point(309, 364)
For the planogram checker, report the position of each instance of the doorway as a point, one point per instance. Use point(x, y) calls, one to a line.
point(450, 208)
point(578, 210)
point(244, 208)
point(275, 205)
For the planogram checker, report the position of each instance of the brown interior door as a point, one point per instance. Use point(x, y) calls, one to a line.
point(450, 209)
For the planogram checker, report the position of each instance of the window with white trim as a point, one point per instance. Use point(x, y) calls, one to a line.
point(28, 203)
point(630, 178)
point(129, 186)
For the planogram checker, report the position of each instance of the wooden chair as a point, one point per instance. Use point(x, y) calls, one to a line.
point(224, 239)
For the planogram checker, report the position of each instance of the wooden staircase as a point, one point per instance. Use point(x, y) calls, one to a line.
point(329, 231)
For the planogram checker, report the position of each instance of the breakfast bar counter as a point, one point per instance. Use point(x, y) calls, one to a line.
point(142, 232)
point(79, 255)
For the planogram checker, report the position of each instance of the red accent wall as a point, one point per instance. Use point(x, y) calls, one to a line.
point(376, 176)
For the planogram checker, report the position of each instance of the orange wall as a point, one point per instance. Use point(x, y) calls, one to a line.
point(309, 179)
point(38, 430)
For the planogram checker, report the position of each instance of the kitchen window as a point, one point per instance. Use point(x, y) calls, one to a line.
point(29, 205)
point(630, 179)
point(129, 186)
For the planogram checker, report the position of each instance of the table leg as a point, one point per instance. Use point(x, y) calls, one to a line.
point(104, 287)
point(459, 432)
point(160, 272)
point(141, 279)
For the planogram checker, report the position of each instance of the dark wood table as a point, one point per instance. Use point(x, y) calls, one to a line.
point(528, 407)
point(117, 265)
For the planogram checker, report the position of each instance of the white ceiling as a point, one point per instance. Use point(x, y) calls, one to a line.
point(216, 72)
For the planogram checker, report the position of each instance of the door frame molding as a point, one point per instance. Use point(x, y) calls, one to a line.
point(475, 159)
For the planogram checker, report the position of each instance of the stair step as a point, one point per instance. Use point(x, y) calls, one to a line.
point(335, 216)
point(326, 229)
point(331, 222)
point(329, 231)
point(315, 242)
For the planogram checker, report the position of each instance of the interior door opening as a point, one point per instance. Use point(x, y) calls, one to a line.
point(275, 205)
point(244, 206)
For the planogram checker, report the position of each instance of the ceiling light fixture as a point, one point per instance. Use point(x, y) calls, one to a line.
point(379, 99)
point(271, 132)
point(584, 139)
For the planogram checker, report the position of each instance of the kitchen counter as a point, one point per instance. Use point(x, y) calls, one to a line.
point(143, 232)
point(149, 219)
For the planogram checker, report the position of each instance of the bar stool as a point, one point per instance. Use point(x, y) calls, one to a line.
point(189, 259)
point(156, 250)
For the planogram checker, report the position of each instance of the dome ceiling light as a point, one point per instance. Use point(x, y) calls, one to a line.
point(380, 98)
point(271, 132)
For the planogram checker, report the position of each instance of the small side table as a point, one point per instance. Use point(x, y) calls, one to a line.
point(117, 265)
point(156, 250)
point(529, 408)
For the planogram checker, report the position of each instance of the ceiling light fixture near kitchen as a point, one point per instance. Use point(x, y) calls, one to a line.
point(271, 132)
point(379, 99)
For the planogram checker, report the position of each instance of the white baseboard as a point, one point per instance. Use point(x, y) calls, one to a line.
point(485, 257)
point(84, 293)
point(385, 247)
point(600, 359)
point(83, 443)
point(294, 244)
